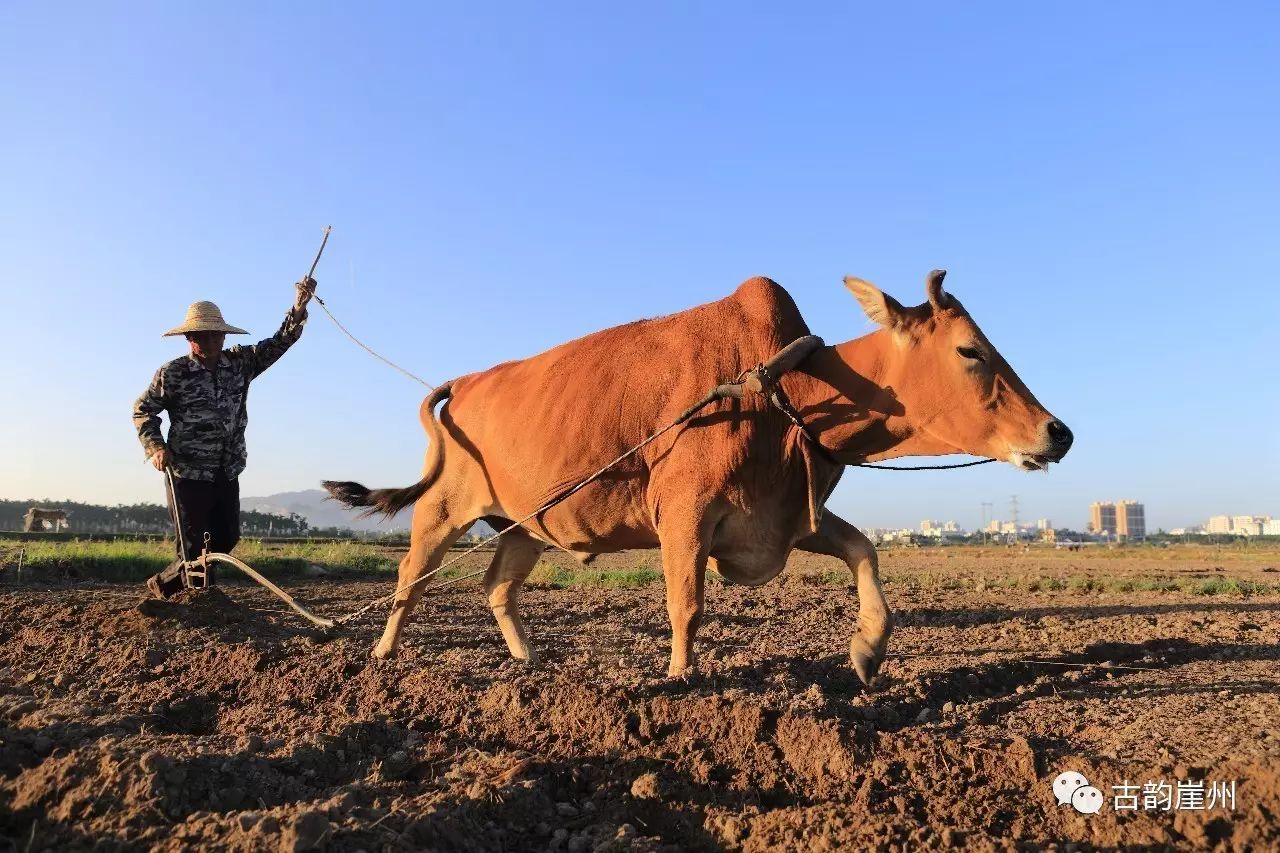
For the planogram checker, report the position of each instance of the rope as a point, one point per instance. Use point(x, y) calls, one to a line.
point(783, 404)
point(922, 467)
point(369, 350)
point(565, 495)
point(431, 387)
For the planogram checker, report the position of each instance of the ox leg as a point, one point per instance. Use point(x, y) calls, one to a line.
point(433, 533)
point(516, 556)
point(838, 538)
point(684, 567)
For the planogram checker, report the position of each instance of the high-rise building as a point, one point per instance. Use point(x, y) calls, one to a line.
point(1131, 520)
point(1121, 519)
point(1219, 524)
point(1102, 517)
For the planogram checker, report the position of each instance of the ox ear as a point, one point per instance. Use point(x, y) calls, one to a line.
point(938, 298)
point(880, 306)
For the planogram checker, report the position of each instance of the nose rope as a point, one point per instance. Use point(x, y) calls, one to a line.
point(921, 467)
point(783, 404)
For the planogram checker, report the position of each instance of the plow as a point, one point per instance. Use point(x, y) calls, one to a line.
point(199, 573)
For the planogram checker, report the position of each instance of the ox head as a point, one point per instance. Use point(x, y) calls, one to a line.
point(956, 391)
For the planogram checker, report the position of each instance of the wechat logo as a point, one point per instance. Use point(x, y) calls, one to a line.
point(1071, 787)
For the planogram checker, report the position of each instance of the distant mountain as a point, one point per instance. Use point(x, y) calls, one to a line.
point(315, 506)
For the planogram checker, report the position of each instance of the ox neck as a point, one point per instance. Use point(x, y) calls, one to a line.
point(845, 395)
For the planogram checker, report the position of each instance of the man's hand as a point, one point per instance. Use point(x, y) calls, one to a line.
point(160, 459)
point(306, 289)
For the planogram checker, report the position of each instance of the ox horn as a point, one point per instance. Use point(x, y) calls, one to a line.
point(938, 297)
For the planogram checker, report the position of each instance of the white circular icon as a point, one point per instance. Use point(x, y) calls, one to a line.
point(1067, 784)
point(1087, 800)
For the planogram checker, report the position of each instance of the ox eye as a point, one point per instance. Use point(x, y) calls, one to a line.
point(970, 352)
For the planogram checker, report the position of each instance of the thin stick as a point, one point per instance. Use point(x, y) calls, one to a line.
point(323, 241)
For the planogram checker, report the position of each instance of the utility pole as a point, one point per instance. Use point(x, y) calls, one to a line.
point(986, 519)
point(1013, 510)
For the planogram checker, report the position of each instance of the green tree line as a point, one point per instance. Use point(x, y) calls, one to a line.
point(142, 518)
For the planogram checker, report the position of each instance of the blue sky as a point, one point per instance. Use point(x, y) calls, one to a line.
point(1099, 179)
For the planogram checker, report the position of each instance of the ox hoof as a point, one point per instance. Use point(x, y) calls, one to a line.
point(684, 673)
point(529, 658)
point(383, 652)
point(865, 659)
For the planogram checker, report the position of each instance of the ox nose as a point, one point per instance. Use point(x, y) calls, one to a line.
point(1061, 437)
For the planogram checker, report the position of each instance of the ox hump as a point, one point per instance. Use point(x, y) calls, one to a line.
point(767, 302)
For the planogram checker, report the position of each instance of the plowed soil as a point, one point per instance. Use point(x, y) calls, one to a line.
point(224, 721)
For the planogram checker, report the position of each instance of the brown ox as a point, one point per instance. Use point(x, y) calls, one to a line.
point(737, 487)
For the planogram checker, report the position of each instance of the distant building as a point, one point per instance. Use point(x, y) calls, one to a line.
point(1044, 524)
point(1219, 524)
point(1122, 519)
point(902, 535)
point(940, 529)
point(1102, 517)
point(1131, 520)
point(1243, 524)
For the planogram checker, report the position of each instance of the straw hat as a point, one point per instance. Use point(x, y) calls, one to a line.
point(204, 317)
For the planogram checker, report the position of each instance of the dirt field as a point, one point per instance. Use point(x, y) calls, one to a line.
point(226, 722)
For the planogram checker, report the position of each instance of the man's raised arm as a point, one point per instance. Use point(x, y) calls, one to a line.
point(268, 351)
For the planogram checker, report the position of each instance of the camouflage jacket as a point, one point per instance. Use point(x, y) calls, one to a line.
point(208, 408)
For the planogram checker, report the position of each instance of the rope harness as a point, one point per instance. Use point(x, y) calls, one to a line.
point(760, 379)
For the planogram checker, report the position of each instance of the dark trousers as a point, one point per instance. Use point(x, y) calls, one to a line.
point(204, 506)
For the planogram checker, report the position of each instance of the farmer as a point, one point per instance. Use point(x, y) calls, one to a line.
point(205, 394)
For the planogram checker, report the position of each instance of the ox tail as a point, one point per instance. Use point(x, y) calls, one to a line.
point(390, 501)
